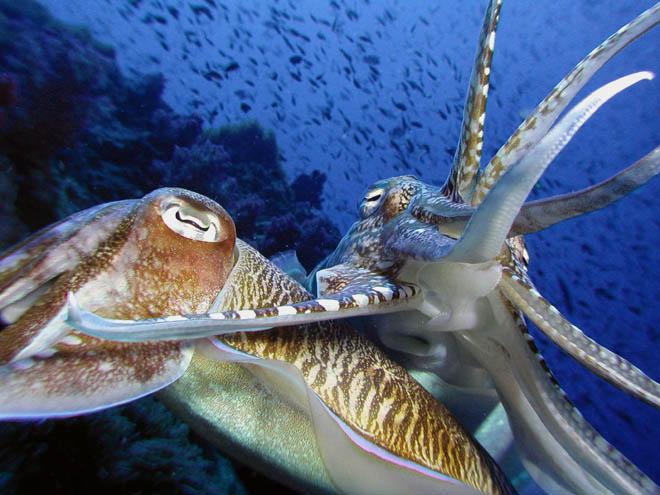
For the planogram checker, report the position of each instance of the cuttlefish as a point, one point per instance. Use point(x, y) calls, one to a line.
point(451, 264)
point(127, 258)
point(356, 421)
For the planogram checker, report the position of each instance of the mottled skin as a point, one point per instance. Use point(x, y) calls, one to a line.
point(175, 252)
point(122, 259)
point(401, 250)
point(420, 248)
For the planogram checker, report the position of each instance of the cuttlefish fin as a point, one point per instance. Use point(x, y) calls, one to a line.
point(537, 124)
point(38, 260)
point(543, 213)
point(600, 360)
point(460, 182)
point(82, 374)
point(489, 226)
point(367, 296)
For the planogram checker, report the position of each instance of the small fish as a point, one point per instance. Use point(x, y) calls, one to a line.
point(231, 66)
point(346, 55)
point(212, 75)
point(300, 35)
point(399, 105)
point(201, 10)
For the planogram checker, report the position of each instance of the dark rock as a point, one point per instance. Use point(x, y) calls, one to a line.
point(318, 239)
point(309, 187)
point(282, 233)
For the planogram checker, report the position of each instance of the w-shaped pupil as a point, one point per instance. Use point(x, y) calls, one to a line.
point(191, 222)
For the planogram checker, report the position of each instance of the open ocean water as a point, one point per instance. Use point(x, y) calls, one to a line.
point(365, 89)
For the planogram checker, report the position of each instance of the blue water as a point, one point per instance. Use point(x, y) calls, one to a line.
point(363, 90)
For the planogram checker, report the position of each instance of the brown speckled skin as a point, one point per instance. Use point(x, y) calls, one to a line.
point(362, 245)
point(137, 267)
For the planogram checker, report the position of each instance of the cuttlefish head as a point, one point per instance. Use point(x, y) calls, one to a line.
point(167, 253)
point(392, 215)
point(170, 254)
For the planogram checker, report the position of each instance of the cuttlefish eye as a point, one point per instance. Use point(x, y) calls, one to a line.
point(191, 222)
point(371, 201)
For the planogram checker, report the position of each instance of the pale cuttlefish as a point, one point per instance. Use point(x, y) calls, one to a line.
point(317, 406)
point(451, 263)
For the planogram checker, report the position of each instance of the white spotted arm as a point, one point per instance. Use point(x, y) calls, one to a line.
point(541, 119)
point(381, 297)
point(543, 213)
point(489, 226)
point(468, 154)
point(603, 362)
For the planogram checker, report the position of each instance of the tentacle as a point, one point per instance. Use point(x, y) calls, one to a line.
point(385, 297)
point(427, 229)
point(538, 215)
point(489, 226)
point(603, 362)
point(561, 450)
point(460, 182)
point(537, 124)
point(34, 334)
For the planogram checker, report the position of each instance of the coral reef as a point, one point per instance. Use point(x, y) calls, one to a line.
point(238, 166)
point(308, 187)
point(78, 126)
point(137, 448)
point(8, 93)
point(81, 133)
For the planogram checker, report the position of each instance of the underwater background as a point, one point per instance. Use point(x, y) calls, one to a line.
point(284, 111)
